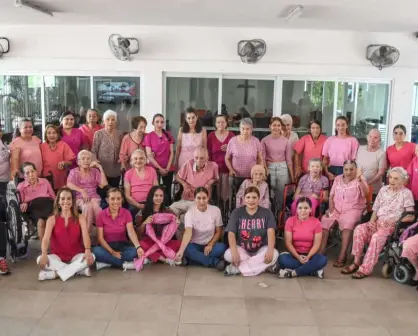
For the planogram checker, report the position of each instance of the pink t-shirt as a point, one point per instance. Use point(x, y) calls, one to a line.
point(413, 177)
point(215, 152)
point(402, 157)
point(41, 189)
point(114, 230)
point(277, 149)
point(75, 140)
point(160, 146)
point(89, 182)
point(339, 150)
point(89, 133)
point(196, 178)
point(347, 196)
point(309, 149)
point(244, 155)
point(303, 232)
point(140, 186)
point(127, 146)
point(203, 224)
point(30, 151)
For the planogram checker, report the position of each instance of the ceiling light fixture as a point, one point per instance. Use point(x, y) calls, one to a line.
point(294, 13)
point(25, 3)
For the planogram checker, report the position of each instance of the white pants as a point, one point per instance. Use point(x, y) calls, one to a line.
point(64, 270)
point(181, 207)
point(279, 177)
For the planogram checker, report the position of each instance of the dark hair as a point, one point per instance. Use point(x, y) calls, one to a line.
point(149, 203)
point(201, 189)
point(65, 114)
point(167, 135)
point(315, 122)
point(304, 199)
point(273, 119)
point(350, 162)
point(113, 190)
point(27, 164)
point(57, 208)
point(346, 121)
point(97, 113)
point(186, 128)
point(137, 120)
point(16, 132)
point(402, 127)
point(55, 128)
point(222, 116)
point(252, 189)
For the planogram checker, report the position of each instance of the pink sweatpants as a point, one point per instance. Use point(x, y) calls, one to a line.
point(90, 210)
point(147, 242)
point(315, 205)
point(375, 238)
point(410, 250)
point(252, 264)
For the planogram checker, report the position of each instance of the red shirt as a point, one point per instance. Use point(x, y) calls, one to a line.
point(400, 157)
point(303, 232)
point(215, 153)
point(66, 242)
point(114, 230)
point(309, 149)
point(413, 177)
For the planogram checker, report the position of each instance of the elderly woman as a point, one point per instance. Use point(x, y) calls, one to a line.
point(57, 156)
point(68, 240)
point(288, 133)
point(91, 126)
point(106, 146)
point(347, 203)
point(36, 195)
point(138, 181)
point(243, 152)
point(401, 153)
point(309, 147)
point(74, 137)
point(251, 235)
point(391, 202)
point(132, 141)
point(25, 148)
point(258, 179)
point(339, 148)
point(85, 180)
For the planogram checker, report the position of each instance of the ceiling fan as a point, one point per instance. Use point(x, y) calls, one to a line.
point(32, 5)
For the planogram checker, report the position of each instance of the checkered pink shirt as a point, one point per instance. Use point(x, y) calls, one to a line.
point(244, 155)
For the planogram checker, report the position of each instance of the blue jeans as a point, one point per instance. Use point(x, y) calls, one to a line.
point(336, 170)
point(317, 262)
point(195, 254)
point(128, 253)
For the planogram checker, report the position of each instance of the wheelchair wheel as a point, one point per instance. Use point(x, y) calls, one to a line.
point(18, 245)
point(387, 271)
point(402, 274)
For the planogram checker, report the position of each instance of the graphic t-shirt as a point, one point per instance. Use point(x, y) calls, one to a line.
point(251, 230)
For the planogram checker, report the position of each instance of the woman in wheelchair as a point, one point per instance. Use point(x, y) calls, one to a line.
point(410, 252)
point(311, 185)
point(36, 196)
point(70, 248)
point(85, 180)
point(391, 202)
point(258, 179)
point(347, 203)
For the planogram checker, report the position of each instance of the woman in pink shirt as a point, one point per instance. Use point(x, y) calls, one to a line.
point(85, 180)
point(159, 146)
point(90, 127)
point(217, 145)
point(138, 181)
point(310, 146)
point(401, 153)
point(36, 196)
point(57, 156)
point(347, 203)
point(278, 159)
point(132, 141)
point(258, 179)
point(339, 148)
point(74, 137)
point(302, 236)
point(25, 148)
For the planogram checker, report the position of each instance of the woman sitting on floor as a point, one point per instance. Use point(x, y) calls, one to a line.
point(66, 233)
point(302, 235)
point(37, 197)
point(85, 180)
point(258, 179)
point(391, 202)
point(251, 235)
point(114, 225)
point(203, 229)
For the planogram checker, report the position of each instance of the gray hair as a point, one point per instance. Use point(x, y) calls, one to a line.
point(84, 152)
point(201, 150)
point(246, 121)
point(375, 130)
point(110, 113)
point(315, 160)
point(401, 171)
point(287, 119)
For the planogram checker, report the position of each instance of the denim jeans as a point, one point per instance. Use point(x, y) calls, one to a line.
point(195, 254)
point(127, 251)
point(317, 262)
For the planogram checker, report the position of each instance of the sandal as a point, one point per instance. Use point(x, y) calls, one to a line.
point(358, 275)
point(353, 268)
point(340, 263)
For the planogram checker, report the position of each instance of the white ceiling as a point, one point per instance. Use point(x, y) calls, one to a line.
point(360, 15)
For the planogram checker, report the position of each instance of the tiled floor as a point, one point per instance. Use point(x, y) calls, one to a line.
point(164, 301)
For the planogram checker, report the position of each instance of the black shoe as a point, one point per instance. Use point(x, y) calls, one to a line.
point(184, 261)
point(221, 265)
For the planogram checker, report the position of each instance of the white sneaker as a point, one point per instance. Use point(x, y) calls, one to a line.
point(100, 265)
point(47, 275)
point(85, 272)
point(320, 273)
point(284, 273)
point(128, 265)
point(147, 261)
point(231, 270)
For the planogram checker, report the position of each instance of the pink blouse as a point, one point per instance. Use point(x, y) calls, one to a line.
point(244, 155)
point(339, 150)
point(127, 146)
point(264, 194)
point(89, 133)
point(347, 196)
point(215, 153)
point(277, 149)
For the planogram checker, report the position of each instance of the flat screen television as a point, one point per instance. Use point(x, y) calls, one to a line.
point(115, 92)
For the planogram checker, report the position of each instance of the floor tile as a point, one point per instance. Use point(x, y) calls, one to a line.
point(379, 288)
point(396, 313)
point(25, 303)
point(274, 330)
point(147, 308)
point(15, 326)
point(315, 288)
point(131, 328)
point(69, 327)
point(357, 331)
point(212, 330)
point(83, 306)
point(210, 310)
point(277, 288)
point(403, 331)
point(290, 312)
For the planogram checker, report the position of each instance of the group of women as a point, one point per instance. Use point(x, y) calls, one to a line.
point(137, 228)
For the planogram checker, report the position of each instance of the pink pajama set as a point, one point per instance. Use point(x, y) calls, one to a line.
point(388, 207)
point(349, 204)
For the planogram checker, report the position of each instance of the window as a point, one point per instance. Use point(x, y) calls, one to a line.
point(184, 92)
point(120, 94)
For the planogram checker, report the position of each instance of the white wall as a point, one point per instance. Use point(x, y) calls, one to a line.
point(83, 50)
